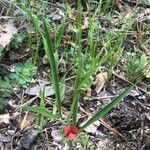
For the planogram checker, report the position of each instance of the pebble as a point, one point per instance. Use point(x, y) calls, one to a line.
point(56, 135)
point(28, 139)
point(4, 138)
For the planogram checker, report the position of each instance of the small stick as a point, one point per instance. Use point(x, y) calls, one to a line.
point(130, 83)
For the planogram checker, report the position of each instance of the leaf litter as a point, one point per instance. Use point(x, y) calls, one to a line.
point(7, 32)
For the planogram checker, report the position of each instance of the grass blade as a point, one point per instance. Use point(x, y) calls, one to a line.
point(76, 93)
point(43, 111)
point(49, 49)
point(59, 35)
point(107, 108)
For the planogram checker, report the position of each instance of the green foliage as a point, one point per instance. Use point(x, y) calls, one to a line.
point(137, 67)
point(5, 85)
point(1, 51)
point(43, 113)
point(102, 45)
point(21, 75)
point(51, 55)
point(16, 43)
point(3, 103)
point(77, 88)
point(83, 138)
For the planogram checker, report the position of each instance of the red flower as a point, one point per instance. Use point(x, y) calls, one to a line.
point(71, 132)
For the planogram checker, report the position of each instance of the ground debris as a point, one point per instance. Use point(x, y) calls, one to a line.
point(4, 119)
point(35, 90)
point(7, 32)
point(5, 138)
point(101, 79)
point(27, 121)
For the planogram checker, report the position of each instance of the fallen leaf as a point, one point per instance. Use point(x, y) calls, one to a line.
point(4, 119)
point(35, 90)
point(86, 23)
point(101, 79)
point(123, 7)
point(148, 116)
point(93, 128)
point(27, 121)
point(57, 15)
point(7, 32)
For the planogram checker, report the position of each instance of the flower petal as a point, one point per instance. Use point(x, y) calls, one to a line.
point(71, 136)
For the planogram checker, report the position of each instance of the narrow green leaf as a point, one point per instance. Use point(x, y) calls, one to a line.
point(49, 49)
point(107, 108)
point(42, 97)
point(43, 111)
point(76, 89)
point(34, 20)
point(76, 93)
point(42, 105)
point(59, 35)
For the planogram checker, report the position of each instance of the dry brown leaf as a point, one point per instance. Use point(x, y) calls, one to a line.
point(101, 79)
point(144, 15)
point(7, 32)
point(4, 119)
point(27, 121)
point(123, 7)
point(148, 116)
point(86, 23)
point(35, 90)
point(92, 128)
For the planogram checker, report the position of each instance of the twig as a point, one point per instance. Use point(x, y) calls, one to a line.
point(130, 83)
point(29, 101)
point(104, 97)
point(137, 4)
point(6, 17)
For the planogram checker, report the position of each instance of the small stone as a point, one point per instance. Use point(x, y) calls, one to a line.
point(4, 119)
point(92, 128)
point(104, 145)
point(100, 135)
point(11, 132)
point(56, 135)
point(28, 139)
point(4, 138)
point(134, 93)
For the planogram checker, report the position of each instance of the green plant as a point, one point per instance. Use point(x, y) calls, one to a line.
point(137, 66)
point(21, 74)
point(3, 103)
point(43, 113)
point(1, 51)
point(50, 52)
point(72, 130)
point(84, 140)
point(112, 43)
point(16, 43)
